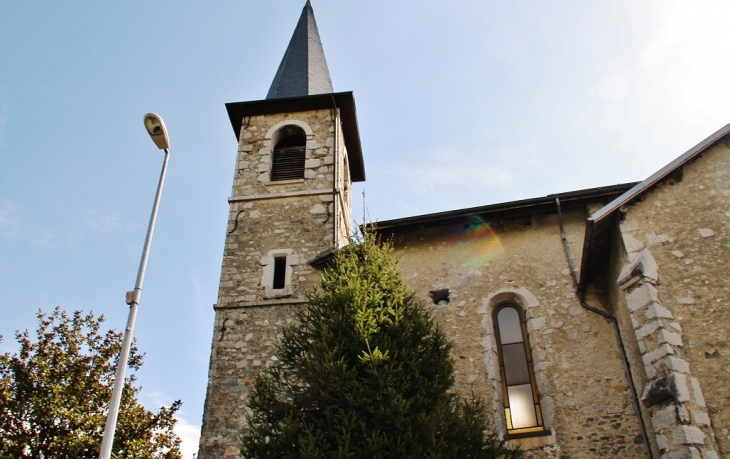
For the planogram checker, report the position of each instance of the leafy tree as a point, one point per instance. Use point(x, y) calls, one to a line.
point(365, 373)
point(54, 395)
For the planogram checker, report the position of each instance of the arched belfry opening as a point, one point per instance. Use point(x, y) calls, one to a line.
point(290, 147)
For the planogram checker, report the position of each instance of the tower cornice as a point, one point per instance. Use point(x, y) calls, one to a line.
point(344, 101)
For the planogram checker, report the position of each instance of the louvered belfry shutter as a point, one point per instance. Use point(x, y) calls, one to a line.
point(288, 163)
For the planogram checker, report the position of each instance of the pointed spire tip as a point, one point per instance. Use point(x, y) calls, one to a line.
point(303, 70)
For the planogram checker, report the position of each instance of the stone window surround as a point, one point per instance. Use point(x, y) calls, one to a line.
point(537, 429)
point(270, 140)
point(273, 133)
point(267, 278)
point(524, 299)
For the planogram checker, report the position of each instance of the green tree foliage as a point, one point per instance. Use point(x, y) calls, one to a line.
point(55, 391)
point(365, 373)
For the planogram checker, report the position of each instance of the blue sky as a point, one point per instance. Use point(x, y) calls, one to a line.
point(460, 104)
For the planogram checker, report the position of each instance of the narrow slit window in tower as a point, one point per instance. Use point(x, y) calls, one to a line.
point(279, 273)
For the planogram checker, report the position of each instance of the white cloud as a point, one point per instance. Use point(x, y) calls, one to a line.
point(614, 87)
point(11, 223)
point(189, 435)
point(682, 63)
point(43, 237)
point(103, 222)
point(449, 167)
point(10, 217)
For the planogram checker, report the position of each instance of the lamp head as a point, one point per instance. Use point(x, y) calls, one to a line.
point(156, 129)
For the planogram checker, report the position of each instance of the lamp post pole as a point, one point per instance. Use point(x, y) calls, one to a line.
point(156, 128)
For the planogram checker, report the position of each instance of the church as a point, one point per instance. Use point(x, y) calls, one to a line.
point(594, 322)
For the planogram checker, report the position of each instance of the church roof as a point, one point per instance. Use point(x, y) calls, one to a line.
point(596, 241)
point(303, 70)
point(513, 209)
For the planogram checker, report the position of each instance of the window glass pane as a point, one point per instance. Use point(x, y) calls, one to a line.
point(522, 407)
point(509, 326)
point(515, 364)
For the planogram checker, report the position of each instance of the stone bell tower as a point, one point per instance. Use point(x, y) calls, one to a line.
point(298, 154)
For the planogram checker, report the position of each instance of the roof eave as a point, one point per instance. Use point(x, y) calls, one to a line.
point(345, 101)
point(513, 209)
point(641, 187)
point(596, 225)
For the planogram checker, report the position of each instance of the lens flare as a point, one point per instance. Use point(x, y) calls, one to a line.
point(477, 247)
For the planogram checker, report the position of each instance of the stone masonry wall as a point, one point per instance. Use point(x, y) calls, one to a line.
point(583, 389)
point(678, 293)
point(616, 299)
point(294, 219)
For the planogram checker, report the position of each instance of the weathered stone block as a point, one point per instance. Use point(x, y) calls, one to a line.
point(318, 209)
point(659, 391)
point(641, 296)
point(700, 418)
point(683, 453)
point(536, 324)
point(232, 451)
point(664, 418)
point(632, 244)
point(668, 337)
point(688, 435)
point(662, 442)
point(680, 383)
point(676, 364)
point(656, 354)
point(656, 310)
point(642, 264)
point(683, 414)
point(706, 232)
point(697, 392)
point(648, 329)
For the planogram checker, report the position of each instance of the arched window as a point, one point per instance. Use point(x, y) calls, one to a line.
point(289, 154)
point(521, 400)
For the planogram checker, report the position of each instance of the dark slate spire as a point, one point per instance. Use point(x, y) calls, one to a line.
point(303, 70)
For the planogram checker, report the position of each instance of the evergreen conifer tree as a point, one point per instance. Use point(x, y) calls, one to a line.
point(365, 374)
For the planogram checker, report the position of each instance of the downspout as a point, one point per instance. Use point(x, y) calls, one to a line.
point(335, 191)
point(614, 320)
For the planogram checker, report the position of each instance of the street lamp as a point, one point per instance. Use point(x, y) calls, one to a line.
point(156, 128)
